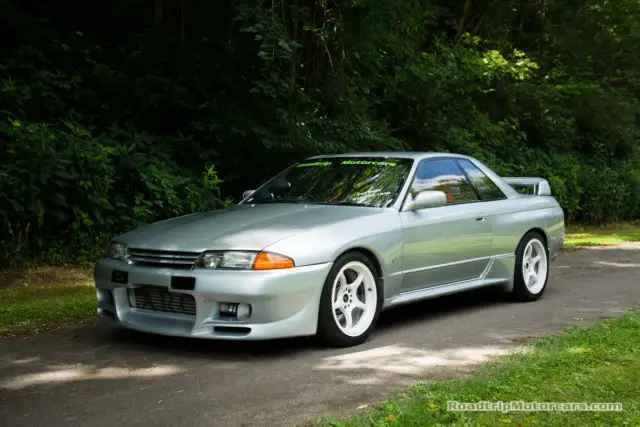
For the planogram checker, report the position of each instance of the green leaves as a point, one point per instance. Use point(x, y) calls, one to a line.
point(69, 188)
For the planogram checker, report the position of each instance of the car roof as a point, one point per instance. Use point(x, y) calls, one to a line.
point(416, 155)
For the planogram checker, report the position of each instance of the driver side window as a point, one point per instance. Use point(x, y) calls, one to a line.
point(444, 175)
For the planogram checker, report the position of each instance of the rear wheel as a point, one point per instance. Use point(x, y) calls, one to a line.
point(350, 303)
point(531, 269)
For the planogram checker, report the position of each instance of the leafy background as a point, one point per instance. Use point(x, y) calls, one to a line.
point(118, 113)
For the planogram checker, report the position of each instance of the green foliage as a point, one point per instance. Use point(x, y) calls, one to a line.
point(111, 111)
point(72, 191)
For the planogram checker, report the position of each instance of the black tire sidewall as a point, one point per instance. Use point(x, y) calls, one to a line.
point(520, 290)
point(328, 331)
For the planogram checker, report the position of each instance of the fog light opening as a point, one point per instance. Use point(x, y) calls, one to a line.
point(235, 310)
point(121, 277)
point(105, 296)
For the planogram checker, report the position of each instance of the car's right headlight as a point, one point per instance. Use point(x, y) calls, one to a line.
point(243, 260)
point(117, 251)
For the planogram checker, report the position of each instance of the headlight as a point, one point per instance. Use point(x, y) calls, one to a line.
point(117, 251)
point(243, 260)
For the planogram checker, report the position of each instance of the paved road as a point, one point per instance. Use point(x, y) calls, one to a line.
point(104, 377)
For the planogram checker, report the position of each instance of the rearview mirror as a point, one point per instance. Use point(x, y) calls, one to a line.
point(247, 194)
point(426, 199)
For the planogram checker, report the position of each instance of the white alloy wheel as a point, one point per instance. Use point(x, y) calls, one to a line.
point(534, 266)
point(354, 299)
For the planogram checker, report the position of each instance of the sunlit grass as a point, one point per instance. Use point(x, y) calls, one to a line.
point(44, 297)
point(603, 235)
point(600, 363)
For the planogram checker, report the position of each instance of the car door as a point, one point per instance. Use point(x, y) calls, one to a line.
point(494, 204)
point(445, 244)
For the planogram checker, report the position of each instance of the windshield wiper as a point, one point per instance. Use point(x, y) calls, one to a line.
point(275, 201)
point(307, 202)
point(345, 204)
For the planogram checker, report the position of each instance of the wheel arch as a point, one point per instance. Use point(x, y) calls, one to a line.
point(540, 231)
point(370, 255)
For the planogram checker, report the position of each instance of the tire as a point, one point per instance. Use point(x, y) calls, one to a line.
point(530, 247)
point(365, 301)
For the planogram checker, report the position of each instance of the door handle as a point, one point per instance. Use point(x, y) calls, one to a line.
point(481, 219)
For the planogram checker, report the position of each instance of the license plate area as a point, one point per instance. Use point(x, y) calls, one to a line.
point(183, 283)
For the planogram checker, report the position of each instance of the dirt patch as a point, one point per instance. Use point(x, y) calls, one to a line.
point(525, 340)
point(45, 276)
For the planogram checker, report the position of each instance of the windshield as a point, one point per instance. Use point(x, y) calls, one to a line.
point(357, 181)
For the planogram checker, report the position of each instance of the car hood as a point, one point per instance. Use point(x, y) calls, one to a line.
point(242, 227)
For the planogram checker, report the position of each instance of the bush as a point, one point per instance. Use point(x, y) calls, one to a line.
point(64, 192)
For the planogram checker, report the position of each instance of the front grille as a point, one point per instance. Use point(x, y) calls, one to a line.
point(166, 259)
point(158, 298)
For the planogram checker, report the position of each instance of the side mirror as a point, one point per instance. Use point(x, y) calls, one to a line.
point(426, 199)
point(247, 194)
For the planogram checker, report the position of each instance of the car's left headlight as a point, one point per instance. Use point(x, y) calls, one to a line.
point(243, 260)
point(117, 251)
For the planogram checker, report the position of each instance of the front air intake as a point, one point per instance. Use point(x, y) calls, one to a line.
point(158, 298)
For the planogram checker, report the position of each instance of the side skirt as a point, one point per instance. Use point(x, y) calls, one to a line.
point(499, 271)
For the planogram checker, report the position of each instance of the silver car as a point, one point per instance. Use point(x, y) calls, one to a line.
point(326, 245)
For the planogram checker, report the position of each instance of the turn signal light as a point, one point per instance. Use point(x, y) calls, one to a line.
point(271, 261)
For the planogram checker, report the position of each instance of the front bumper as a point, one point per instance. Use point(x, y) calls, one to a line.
point(284, 303)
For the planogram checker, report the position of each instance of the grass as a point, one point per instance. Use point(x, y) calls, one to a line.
point(44, 298)
point(599, 363)
point(603, 235)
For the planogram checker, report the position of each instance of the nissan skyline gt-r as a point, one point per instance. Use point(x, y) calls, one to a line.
point(327, 244)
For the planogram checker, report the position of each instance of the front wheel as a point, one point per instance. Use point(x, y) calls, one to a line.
point(531, 269)
point(350, 303)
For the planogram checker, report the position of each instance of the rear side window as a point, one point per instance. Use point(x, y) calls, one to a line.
point(486, 187)
point(444, 175)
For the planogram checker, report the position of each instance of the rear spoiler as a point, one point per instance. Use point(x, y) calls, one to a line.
point(540, 186)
